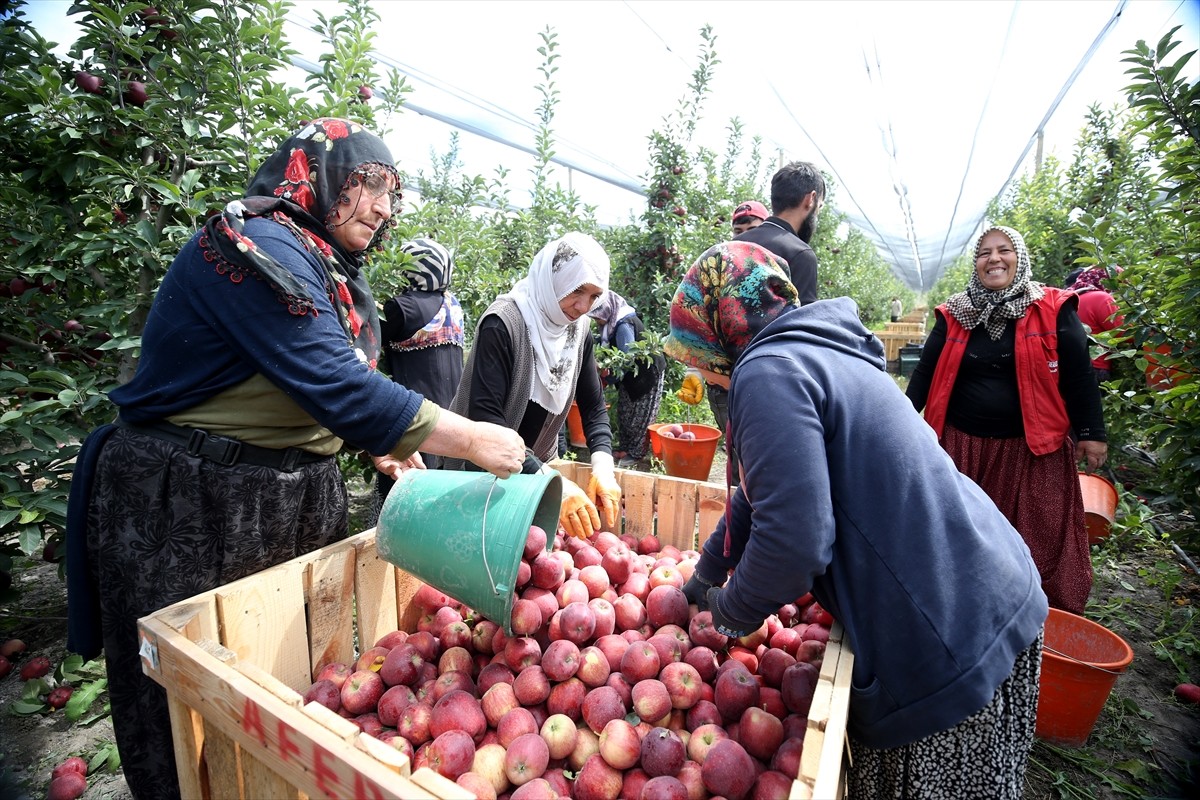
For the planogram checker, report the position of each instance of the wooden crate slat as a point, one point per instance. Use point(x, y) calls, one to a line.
point(187, 734)
point(711, 500)
point(308, 756)
point(637, 493)
point(328, 589)
point(262, 620)
point(374, 595)
point(439, 786)
point(407, 612)
point(830, 775)
point(260, 781)
point(676, 509)
point(222, 764)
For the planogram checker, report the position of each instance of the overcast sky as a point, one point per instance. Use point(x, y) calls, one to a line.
point(920, 110)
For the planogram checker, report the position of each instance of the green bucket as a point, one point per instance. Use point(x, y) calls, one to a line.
point(464, 532)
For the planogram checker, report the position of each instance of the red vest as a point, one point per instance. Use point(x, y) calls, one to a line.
point(1042, 406)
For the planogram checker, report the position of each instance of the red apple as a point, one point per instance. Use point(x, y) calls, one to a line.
point(728, 770)
point(526, 759)
point(600, 706)
point(526, 617)
point(67, 786)
point(663, 753)
point(786, 639)
point(451, 753)
point(597, 780)
point(458, 710)
point(617, 563)
point(560, 660)
point(667, 647)
point(515, 723)
point(36, 667)
point(327, 693)
point(672, 431)
point(402, 665)
point(753, 639)
point(559, 733)
point(736, 690)
point(371, 659)
point(633, 781)
point(771, 785)
point(587, 744)
point(135, 93)
point(426, 644)
point(498, 701)
point(772, 665)
point(489, 764)
point(638, 585)
point(651, 700)
point(760, 732)
point(798, 684)
point(630, 612)
point(414, 722)
point(682, 682)
point(1188, 692)
point(747, 658)
point(59, 696)
point(545, 599)
point(361, 692)
point(787, 758)
point(667, 576)
point(535, 542)
point(479, 787)
point(595, 579)
point(703, 713)
point(620, 746)
point(702, 739)
point(522, 652)
point(606, 616)
point(623, 686)
point(578, 622)
point(531, 686)
point(640, 662)
point(666, 604)
point(594, 667)
point(567, 698)
point(570, 591)
point(559, 784)
point(664, 787)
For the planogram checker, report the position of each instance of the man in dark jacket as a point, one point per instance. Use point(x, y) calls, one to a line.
point(797, 194)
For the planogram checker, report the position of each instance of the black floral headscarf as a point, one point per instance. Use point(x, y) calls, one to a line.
point(979, 305)
point(302, 186)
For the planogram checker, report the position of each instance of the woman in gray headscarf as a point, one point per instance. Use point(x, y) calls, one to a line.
point(1005, 380)
point(639, 389)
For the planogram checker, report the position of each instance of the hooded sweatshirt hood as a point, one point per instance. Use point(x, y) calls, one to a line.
point(831, 323)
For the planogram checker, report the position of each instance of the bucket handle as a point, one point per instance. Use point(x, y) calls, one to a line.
point(1070, 657)
point(483, 536)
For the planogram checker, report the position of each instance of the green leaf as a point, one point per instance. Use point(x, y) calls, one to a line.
point(82, 699)
point(25, 708)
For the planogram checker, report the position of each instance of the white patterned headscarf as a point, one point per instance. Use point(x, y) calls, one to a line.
point(558, 269)
point(609, 311)
point(979, 305)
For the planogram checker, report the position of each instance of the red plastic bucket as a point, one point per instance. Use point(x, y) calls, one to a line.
point(575, 435)
point(655, 439)
point(691, 458)
point(1099, 505)
point(1080, 663)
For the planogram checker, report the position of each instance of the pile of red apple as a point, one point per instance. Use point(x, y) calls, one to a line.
point(675, 431)
point(610, 687)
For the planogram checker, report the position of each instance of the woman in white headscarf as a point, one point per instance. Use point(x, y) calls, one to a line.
point(532, 355)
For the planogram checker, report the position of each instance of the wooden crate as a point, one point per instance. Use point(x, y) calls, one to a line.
point(235, 660)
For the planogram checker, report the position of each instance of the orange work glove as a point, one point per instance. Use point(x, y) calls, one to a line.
point(577, 514)
point(603, 489)
point(692, 391)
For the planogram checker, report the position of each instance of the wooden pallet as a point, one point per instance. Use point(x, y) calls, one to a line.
point(235, 660)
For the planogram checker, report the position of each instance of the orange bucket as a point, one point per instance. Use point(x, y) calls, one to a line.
point(691, 458)
point(1159, 377)
point(575, 435)
point(1099, 505)
point(1080, 663)
point(655, 439)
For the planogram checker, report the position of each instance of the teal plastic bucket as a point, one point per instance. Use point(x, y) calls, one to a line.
point(464, 532)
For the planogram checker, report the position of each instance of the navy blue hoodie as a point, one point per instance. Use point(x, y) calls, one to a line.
point(847, 493)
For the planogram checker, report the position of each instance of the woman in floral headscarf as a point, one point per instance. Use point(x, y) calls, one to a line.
point(846, 495)
point(258, 360)
point(1006, 382)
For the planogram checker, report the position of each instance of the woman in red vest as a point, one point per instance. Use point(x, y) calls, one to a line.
point(1006, 382)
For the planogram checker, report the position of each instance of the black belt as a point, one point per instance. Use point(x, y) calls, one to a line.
point(224, 450)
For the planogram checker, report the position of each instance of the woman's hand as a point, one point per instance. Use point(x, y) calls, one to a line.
point(577, 515)
point(603, 489)
point(394, 467)
point(1093, 454)
point(499, 450)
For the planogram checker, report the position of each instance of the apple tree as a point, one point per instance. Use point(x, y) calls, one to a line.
point(110, 158)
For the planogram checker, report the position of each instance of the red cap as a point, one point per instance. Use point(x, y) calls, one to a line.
point(750, 208)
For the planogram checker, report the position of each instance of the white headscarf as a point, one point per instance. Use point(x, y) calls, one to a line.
point(558, 269)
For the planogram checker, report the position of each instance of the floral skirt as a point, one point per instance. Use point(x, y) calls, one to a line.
point(164, 526)
point(981, 758)
point(634, 416)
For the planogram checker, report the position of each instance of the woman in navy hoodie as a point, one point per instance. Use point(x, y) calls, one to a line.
point(846, 493)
